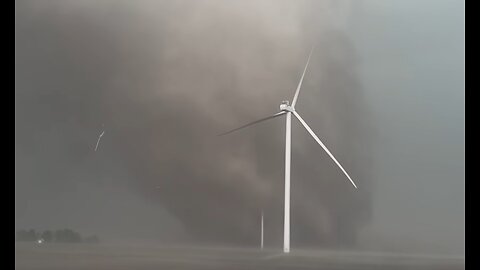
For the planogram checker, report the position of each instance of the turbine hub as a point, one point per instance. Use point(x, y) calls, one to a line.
point(285, 106)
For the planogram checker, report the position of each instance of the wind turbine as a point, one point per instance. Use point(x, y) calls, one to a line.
point(261, 231)
point(288, 110)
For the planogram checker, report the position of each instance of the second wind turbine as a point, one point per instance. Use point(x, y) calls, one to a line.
point(287, 109)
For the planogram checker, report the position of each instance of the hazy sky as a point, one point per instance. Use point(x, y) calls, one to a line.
point(412, 55)
point(385, 90)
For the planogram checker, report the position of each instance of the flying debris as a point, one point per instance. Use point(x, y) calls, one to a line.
point(288, 110)
point(98, 141)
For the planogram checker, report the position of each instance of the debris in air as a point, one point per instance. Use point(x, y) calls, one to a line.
point(98, 141)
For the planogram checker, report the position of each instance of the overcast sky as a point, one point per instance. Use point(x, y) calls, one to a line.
point(385, 91)
point(413, 73)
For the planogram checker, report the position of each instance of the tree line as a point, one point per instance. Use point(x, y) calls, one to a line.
point(58, 236)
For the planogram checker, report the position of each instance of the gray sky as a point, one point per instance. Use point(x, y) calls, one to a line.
point(385, 90)
point(413, 73)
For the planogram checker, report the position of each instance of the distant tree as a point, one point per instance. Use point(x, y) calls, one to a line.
point(75, 237)
point(93, 239)
point(22, 235)
point(47, 236)
point(32, 235)
point(67, 236)
point(57, 236)
point(28, 236)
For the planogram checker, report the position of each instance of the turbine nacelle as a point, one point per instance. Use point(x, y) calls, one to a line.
point(285, 106)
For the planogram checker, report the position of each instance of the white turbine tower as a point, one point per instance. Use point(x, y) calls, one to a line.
point(261, 231)
point(287, 109)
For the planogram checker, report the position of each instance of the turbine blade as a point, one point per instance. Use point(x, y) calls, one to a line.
point(323, 146)
point(254, 122)
point(295, 97)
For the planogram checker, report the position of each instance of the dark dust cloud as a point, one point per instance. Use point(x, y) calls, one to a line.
point(165, 77)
